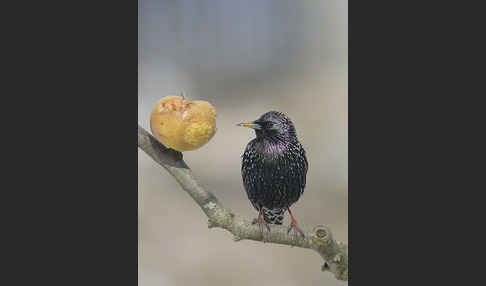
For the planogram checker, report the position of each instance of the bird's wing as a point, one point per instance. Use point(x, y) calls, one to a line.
point(303, 170)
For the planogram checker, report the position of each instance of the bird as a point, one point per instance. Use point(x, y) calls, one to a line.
point(274, 169)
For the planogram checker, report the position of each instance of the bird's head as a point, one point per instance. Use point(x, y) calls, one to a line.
point(272, 124)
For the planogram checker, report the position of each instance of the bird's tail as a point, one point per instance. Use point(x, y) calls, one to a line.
point(274, 216)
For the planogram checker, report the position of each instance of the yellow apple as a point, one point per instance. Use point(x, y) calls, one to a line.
point(181, 124)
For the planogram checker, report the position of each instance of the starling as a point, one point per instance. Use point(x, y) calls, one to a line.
point(274, 169)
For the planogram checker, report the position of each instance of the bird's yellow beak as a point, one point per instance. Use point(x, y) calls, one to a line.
point(249, 125)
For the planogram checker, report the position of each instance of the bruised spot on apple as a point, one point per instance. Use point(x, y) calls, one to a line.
point(181, 124)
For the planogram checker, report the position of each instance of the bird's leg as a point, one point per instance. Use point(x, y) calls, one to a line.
point(261, 222)
point(293, 225)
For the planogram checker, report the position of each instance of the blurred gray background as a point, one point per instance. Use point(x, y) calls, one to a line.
point(246, 58)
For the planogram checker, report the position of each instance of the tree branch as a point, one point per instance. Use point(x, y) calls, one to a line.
point(320, 239)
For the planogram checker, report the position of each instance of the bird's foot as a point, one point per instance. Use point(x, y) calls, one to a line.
point(293, 225)
point(261, 222)
point(296, 230)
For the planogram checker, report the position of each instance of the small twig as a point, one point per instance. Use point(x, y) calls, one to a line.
point(320, 239)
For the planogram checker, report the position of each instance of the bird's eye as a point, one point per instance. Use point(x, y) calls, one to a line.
point(269, 125)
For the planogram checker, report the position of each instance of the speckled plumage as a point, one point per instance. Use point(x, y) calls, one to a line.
point(274, 166)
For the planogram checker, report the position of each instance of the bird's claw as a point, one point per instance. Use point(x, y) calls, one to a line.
point(296, 230)
point(260, 225)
